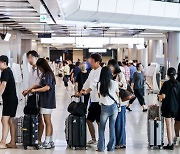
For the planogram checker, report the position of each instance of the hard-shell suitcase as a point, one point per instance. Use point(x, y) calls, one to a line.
point(18, 127)
point(155, 127)
point(76, 131)
point(30, 131)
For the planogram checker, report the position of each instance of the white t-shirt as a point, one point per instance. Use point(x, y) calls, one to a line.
point(113, 90)
point(34, 77)
point(92, 82)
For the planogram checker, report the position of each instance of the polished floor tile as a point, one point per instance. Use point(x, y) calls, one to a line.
point(136, 129)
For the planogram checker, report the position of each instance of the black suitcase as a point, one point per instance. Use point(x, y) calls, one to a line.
point(76, 132)
point(30, 131)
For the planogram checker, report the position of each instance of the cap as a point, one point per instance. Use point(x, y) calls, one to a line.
point(130, 62)
point(4, 58)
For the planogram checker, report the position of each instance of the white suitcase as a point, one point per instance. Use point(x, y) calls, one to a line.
point(155, 133)
point(155, 127)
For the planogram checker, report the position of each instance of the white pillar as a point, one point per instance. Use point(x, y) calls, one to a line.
point(119, 54)
point(173, 53)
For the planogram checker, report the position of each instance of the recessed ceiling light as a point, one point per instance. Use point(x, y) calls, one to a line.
point(31, 23)
point(24, 17)
point(17, 9)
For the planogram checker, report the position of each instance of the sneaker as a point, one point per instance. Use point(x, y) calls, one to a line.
point(92, 142)
point(145, 110)
point(52, 144)
point(117, 147)
point(40, 146)
point(169, 147)
point(46, 145)
point(122, 147)
point(177, 141)
point(128, 108)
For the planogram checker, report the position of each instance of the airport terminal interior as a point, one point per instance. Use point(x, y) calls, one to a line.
point(130, 31)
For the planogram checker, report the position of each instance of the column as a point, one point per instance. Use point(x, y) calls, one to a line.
point(143, 57)
point(119, 54)
point(26, 45)
point(15, 47)
point(132, 53)
point(173, 53)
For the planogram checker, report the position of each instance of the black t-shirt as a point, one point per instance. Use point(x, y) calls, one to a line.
point(172, 95)
point(48, 99)
point(81, 79)
point(10, 90)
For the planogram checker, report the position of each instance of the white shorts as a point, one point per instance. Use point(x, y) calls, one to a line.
point(46, 111)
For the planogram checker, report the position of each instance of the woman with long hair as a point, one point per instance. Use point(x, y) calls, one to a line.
point(108, 92)
point(177, 118)
point(47, 99)
point(120, 126)
point(169, 95)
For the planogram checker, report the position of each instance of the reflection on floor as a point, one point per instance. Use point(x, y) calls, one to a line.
point(136, 129)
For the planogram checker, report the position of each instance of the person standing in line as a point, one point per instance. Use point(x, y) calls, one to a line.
point(109, 101)
point(138, 85)
point(47, 99)
point(76, 71)
point(169, 95)
point(90, 86)
point(177, 118)
point(127, 71)
point(80, 80)
point(121, 67)
point(10, 103)
point(133, 69)
point(120, 126)
point(34, 79)
point(66, 74)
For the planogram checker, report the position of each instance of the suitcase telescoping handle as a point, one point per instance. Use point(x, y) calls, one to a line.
point(30, 94)
point(80, 98)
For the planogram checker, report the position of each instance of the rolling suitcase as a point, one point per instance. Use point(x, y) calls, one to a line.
point(30, 131)
point(155, 127)
point(75, 129)
point(31, 122)
point(18, 128)
point(76, 132)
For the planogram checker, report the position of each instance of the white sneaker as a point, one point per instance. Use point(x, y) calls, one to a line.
point(46, 145)
point(177, 142)
point(52, 144)
point(92, 142)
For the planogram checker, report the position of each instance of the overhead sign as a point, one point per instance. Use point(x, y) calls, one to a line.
point(43, 18)
point(44, 35)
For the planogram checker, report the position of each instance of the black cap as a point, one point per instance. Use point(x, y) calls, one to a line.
point(4, 58)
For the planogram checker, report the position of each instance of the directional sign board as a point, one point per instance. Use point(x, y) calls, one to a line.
point(43, 18)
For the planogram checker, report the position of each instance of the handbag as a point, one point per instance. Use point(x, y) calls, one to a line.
point(32, 105)
point(77, 108)
point(126, 95)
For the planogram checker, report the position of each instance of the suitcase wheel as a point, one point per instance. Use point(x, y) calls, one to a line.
point(37, 147)
point(151, 147)
point(74, 148)
point(25, 147)
point(160, 147)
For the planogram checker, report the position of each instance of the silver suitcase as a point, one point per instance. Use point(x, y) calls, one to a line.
point(18, 128)
point(155, 127)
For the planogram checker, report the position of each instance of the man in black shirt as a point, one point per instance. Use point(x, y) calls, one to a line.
point(10, 102)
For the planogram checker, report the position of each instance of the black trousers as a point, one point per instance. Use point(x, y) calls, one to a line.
point(139, 93)
point(66, 81)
